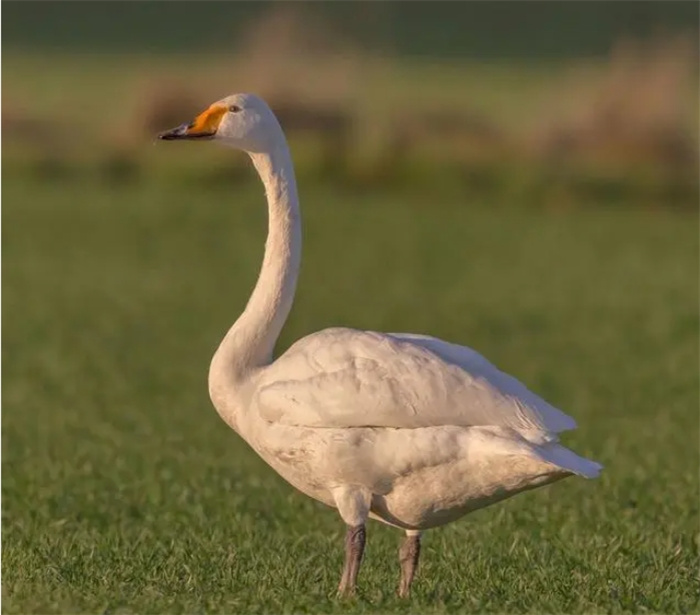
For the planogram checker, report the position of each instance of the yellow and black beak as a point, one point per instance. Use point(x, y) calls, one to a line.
point(204, 126)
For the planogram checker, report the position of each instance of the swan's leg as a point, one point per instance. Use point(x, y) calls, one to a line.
point(408, 558)
point(353, 505)
point(354, 549)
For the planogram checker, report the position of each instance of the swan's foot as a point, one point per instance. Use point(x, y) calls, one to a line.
point(408, 558)
point(354, 549)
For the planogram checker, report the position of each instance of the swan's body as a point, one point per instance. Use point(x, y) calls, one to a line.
point(381, 411)
point(407, 429)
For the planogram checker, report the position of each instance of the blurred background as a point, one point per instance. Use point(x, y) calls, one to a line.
point(518, 177)
point(559, 104)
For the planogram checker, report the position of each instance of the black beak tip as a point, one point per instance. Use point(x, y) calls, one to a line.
point(182, 133)
point(174, 133)
point(168, 135)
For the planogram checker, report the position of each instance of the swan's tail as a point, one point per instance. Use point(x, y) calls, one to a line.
point(568, 460)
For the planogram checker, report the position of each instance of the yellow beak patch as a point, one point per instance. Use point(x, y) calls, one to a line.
point(207, 122)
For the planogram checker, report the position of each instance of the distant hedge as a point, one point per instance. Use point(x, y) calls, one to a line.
point(515, 29)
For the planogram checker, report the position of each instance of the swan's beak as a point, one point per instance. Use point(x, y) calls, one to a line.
point(204, 126)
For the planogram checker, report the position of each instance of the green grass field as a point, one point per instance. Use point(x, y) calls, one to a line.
point(123, 491)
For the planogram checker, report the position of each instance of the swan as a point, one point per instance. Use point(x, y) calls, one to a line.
point(407, 429)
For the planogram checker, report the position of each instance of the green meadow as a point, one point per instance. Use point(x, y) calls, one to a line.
point(123, 491)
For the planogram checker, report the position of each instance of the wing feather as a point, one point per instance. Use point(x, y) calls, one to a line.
point(340, 378)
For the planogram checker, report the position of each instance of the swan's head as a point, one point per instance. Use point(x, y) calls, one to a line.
point(243, 121)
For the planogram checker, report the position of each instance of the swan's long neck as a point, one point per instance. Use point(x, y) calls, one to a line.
point(250, 341)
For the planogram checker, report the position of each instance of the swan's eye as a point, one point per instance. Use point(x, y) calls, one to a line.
point(234, 108)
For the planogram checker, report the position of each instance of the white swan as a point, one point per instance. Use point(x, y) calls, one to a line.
point(407, 429)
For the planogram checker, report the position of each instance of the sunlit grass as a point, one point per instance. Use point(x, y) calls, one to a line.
point(124, 492)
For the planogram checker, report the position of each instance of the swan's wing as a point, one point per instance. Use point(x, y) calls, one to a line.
point(554, 419)
point(347, 378)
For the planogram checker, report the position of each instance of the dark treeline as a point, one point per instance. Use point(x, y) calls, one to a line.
point(479, 30)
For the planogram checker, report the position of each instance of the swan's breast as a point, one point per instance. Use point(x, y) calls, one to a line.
point(419, 478)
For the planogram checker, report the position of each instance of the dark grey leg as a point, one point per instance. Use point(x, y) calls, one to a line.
point(354, 548)
point(408, 557)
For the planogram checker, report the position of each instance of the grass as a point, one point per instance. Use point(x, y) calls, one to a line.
point(123, 491)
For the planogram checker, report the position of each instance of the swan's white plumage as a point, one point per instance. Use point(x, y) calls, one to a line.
point(346, 378)
point(406, 428)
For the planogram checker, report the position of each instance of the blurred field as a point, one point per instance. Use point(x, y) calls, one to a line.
point(124, 492)
point(559, 135)
point(541, 211)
